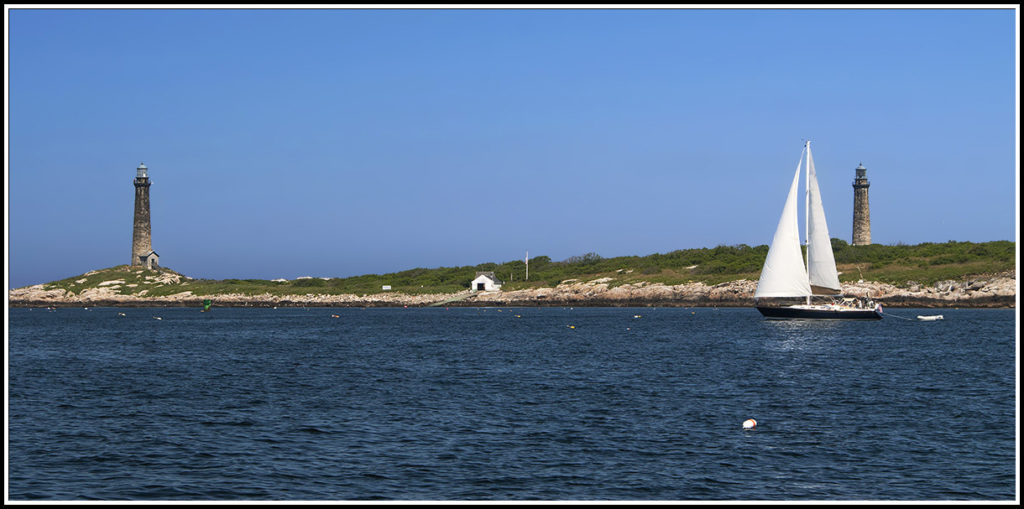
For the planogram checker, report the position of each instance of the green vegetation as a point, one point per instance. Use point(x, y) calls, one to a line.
point(895, 264)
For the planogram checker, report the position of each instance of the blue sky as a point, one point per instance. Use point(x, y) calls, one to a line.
point(340, 142)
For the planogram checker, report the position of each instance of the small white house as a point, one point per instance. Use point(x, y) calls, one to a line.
point(485, 282)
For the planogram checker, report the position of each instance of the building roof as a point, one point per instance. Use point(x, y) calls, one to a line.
point(489, 275)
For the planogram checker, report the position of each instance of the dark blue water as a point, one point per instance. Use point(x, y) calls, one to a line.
point(509, 404)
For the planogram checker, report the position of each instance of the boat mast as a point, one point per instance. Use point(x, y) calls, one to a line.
point(807, 215)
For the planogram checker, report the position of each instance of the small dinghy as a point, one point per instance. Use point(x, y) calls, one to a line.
point(929, 318)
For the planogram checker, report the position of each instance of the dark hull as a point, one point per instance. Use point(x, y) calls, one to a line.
point(788, 313)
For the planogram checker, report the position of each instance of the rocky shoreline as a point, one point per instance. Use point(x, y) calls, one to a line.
point(991, 291)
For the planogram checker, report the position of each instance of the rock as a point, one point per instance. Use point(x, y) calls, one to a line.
point(996, 291)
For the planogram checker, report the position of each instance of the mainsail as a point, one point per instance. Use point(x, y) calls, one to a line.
point(821, 264)
point(783, 274)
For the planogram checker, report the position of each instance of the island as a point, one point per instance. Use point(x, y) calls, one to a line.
point(928, 275)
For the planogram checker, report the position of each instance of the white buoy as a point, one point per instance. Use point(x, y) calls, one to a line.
point(749, 424)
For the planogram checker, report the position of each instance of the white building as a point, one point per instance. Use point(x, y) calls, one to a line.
point(485, 282)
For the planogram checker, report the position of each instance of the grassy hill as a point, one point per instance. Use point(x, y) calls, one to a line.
point(900, 265)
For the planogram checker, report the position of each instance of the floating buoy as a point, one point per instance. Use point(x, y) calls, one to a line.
point(749, 424)
point(571, 326)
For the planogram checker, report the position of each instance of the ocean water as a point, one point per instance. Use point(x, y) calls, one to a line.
point(508, 404)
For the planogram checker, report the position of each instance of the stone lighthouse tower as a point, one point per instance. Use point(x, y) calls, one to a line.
point(861, 212)
point(142, 245)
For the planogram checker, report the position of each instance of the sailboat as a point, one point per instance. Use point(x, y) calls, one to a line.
point(784, 275)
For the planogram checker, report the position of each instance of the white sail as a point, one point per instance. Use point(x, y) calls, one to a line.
point(821, 263)
point(783, 274)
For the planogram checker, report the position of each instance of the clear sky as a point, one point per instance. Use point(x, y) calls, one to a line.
point(339, 142)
